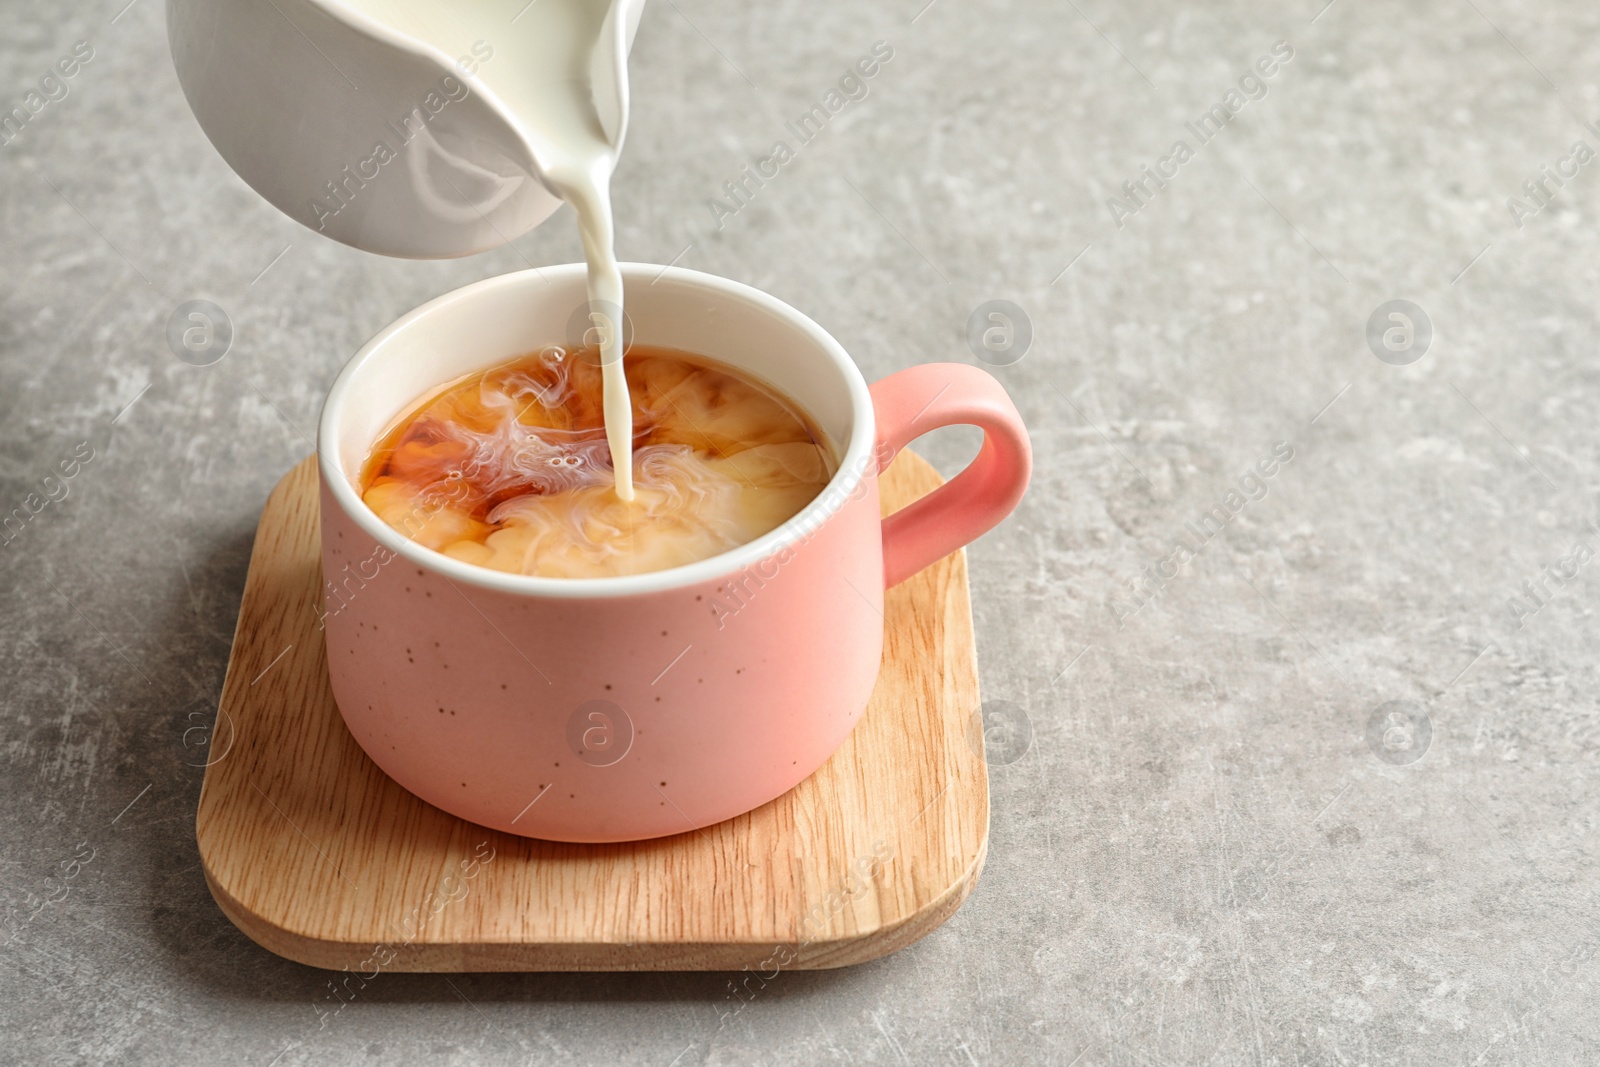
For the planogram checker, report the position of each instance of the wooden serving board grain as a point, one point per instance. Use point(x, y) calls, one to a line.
point(869, 854)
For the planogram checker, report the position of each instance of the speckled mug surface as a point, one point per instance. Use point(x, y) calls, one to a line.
point(638, 706)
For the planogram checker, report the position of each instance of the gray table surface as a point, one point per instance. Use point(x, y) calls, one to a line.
point(1214, 837)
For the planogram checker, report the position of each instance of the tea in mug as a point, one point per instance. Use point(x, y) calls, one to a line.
point(510, 469)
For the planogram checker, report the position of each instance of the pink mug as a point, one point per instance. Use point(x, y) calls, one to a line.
point(614, 709)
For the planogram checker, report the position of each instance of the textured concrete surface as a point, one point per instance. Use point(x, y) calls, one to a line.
point(1212, 842)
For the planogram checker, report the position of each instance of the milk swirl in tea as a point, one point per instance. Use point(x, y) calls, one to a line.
point(545, 77)
point(548, 466)
point(511, 468)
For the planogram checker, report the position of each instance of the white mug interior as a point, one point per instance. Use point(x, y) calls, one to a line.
point(496, 320)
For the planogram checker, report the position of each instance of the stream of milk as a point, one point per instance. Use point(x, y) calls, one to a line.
point(544, 74)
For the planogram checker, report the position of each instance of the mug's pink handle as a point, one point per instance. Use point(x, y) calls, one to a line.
point(911, 402)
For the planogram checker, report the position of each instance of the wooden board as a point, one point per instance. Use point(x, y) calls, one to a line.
point(869, 854)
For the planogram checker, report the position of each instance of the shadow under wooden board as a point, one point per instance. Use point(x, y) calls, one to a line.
point(319, 856)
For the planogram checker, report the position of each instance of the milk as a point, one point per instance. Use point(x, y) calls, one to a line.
point(504, 470)
point(550, 65)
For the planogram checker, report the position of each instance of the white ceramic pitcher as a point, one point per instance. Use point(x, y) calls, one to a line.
point(384, 138)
